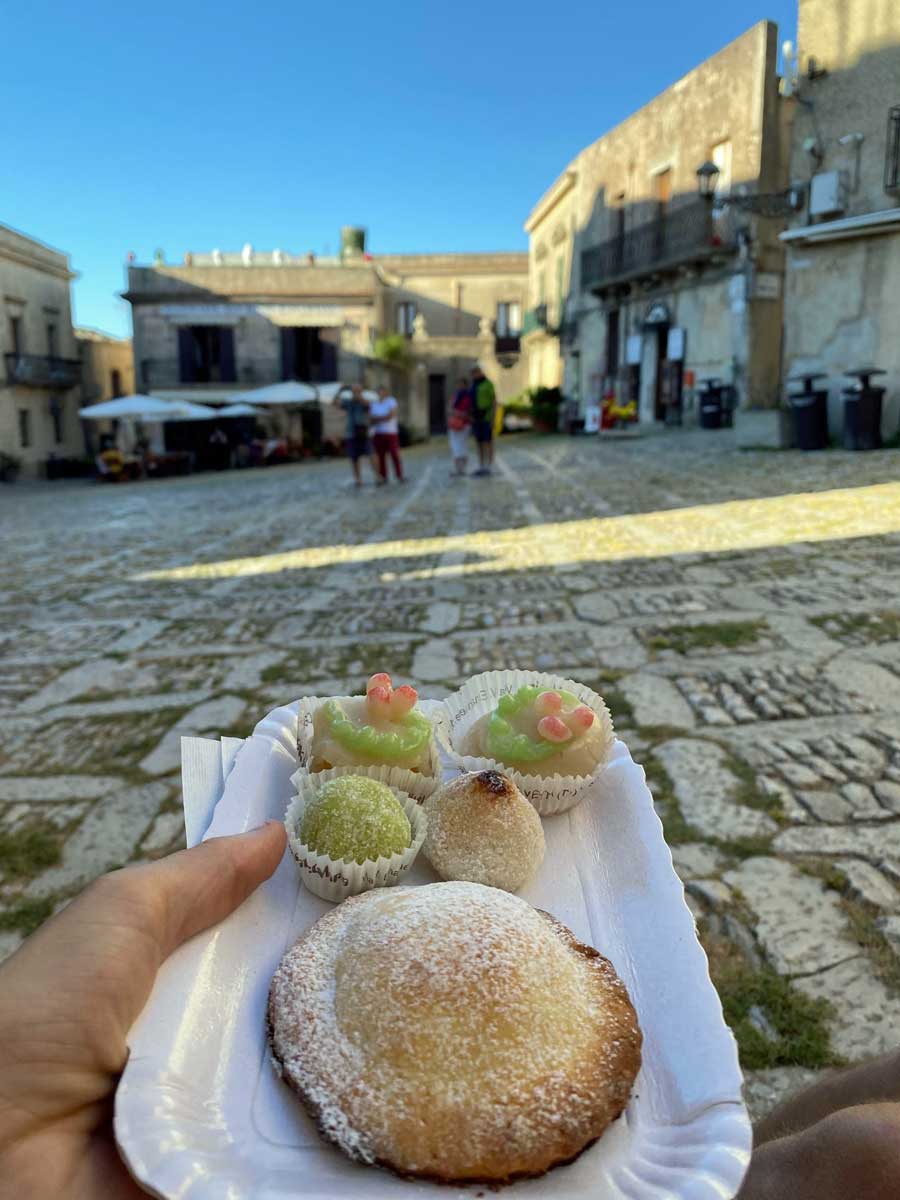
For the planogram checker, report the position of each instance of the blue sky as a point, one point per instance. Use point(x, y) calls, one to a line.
point(127, 127)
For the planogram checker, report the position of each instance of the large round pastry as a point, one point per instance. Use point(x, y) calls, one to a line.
point(453, 1032)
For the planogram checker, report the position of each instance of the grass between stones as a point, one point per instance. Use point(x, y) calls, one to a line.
point(799, 1022)
point(883, 626)
point(748, 792)
point(861, 919)
point(25, 916)
point(727, 634)
point(25, 852)
point(675, 827)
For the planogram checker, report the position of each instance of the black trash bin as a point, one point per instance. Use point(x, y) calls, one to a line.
point(711, 403)
point(862, 410)
point(810, 411)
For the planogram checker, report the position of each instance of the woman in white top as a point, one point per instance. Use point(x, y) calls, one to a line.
point(385, 434)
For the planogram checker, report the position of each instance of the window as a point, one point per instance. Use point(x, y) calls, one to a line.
point(618, 216)
point(721, 156)
point(509, 319)
point(892, 153)
point(51, 340)
point(542, 288)
point(206, 354)
point(406, 315)
point(115, 383)
point(24, 428)
point(56, 416)
point(560, 282)
point(662, 189)
point(612, 342)
point(15, 335)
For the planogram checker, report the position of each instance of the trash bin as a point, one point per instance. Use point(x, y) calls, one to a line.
point(862, 410)
point(711, 403)
point(810, 412)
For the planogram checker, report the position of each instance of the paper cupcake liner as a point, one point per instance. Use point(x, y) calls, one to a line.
point(408, 781)
point(333, 878)
point(548, 793)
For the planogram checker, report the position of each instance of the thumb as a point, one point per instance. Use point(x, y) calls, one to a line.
point(199, 887)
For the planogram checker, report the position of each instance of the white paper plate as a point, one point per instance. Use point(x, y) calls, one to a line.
point(201, 1114)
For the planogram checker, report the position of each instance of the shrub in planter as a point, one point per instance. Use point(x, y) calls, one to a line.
point(545, 409)
point(9, 468)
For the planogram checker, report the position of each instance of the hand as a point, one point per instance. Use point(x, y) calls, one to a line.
point(72, 991)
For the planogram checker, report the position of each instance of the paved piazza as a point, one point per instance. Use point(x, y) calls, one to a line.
point(739, 610)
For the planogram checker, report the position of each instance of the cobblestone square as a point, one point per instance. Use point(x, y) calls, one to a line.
point(739, 609)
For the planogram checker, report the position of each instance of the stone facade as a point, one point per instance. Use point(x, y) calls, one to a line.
point(40, 373)
point(842, 303)
point(107, 366)
point(276, 316)
point(630, 268)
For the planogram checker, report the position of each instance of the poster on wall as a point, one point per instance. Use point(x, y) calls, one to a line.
point(592, 419)
point(633, 349)
point(675, 344)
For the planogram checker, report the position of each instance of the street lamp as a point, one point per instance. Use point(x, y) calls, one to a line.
point(771, 204)
point(707, 178)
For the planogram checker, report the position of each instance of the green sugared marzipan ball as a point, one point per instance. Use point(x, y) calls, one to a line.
point(355, 818)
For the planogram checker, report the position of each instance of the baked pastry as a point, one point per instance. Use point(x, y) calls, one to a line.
point(354, 818)
point(453, 1032)
point(481, 828)
point(540, 731)
point(382, 728)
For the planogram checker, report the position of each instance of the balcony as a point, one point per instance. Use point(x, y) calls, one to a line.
point(36, 370)
point(690, 234)
point(508, 344)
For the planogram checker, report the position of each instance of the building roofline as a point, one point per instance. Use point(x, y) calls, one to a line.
point(34, 253)
point(554, 193)
point(572, 166)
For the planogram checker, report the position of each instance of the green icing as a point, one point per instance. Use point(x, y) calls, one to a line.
point(408, 739)
point(505, 743)
point(354, 819)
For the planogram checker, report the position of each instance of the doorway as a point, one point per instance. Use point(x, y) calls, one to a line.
point(437, 403)
point(659, 405)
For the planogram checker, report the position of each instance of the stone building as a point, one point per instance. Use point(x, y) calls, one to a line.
point(39, 395)
point(639, 284)
point(842, 297)
point(107, 365)
point(220, 324)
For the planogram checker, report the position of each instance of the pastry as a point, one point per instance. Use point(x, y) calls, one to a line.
point(481, 828)
point(382, 728)
point(350, 832)
point(453, 1032)
point(541, 731)
point(355, 818)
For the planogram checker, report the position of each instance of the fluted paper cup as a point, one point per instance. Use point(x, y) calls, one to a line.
point(480, 695)
point(334, 878)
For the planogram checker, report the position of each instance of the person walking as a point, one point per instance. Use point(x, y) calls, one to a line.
point(356, 407)
point(484, 403)
point(459, 422)
point(386, 434)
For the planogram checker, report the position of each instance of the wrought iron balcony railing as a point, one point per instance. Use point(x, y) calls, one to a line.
point(690, 233)
point(36, 370)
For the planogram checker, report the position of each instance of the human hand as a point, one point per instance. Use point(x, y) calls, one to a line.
point(72, 991)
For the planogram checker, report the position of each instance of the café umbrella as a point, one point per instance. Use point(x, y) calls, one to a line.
point(145, 408)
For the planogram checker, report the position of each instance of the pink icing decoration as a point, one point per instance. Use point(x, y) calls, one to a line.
point(403, 700)
point(548, 703)
point(382, 679)
point(554, 729)
point(582, 717)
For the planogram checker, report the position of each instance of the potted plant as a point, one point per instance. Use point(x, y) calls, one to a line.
point(9, 468)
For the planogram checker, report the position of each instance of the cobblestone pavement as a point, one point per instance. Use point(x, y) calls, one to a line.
point(739, 609)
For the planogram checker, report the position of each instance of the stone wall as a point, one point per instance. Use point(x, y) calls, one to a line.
point(34, 286)
point(842, 300)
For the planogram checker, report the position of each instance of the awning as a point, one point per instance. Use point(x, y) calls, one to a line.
point(865, 225)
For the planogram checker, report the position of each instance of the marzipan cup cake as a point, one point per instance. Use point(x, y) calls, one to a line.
point(552, 736)
point(383, 734)
point(349, 832)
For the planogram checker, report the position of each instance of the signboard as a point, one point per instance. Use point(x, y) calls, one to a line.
point(675, 344)
point(592, 419)
point(633, 349)
point(766, 286)
point(320, 315)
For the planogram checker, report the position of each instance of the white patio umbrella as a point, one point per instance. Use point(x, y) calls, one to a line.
point(289, 392)
point(328, 392)
point(182, 410)
point(238, 410)
point(135, 408)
